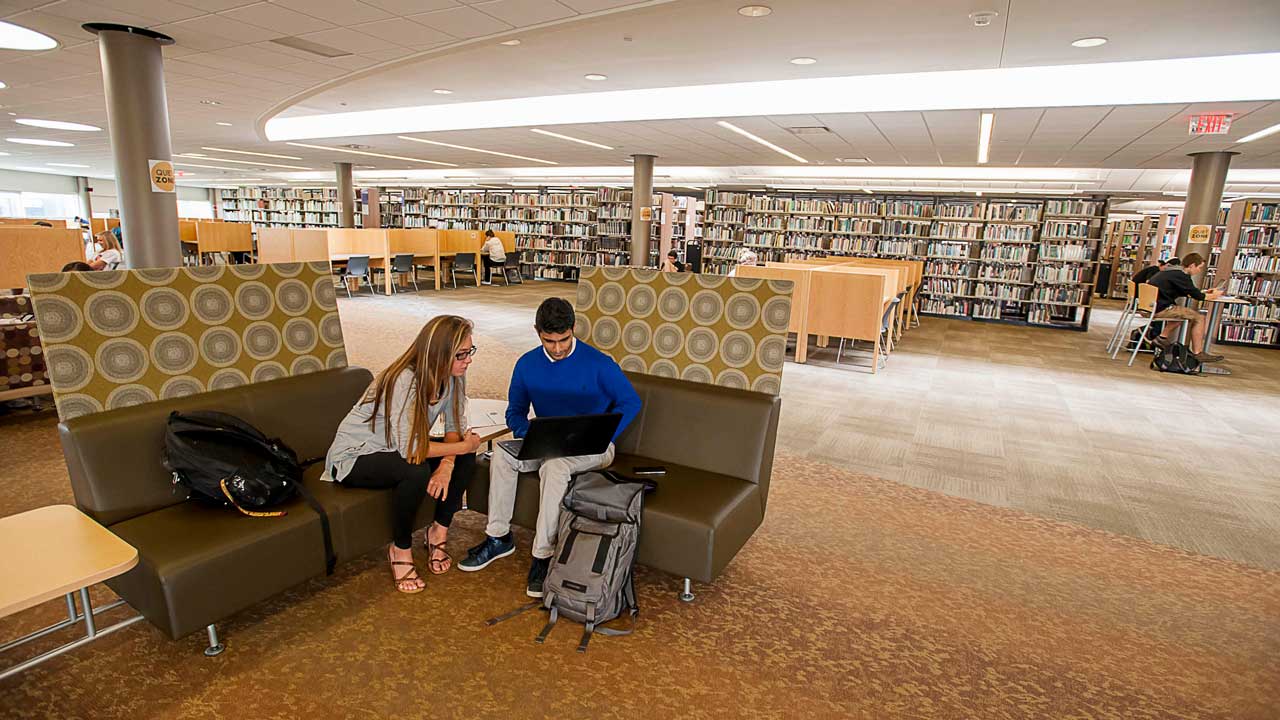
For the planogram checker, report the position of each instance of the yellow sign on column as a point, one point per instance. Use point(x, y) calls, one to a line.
point(161, 172)
point(1199, 234)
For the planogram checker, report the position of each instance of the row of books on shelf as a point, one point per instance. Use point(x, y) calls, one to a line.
point(1259, 334)
point(1253, 286)
point(254, 193)
point(269, 217)
point(1255, 263)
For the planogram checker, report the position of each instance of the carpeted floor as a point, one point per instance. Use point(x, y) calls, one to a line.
point(858, 598)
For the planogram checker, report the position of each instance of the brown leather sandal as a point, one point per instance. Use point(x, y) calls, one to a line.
point(436, 562)
point(409, 577)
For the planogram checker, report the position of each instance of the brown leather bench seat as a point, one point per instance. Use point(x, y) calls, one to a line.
point(717, 446)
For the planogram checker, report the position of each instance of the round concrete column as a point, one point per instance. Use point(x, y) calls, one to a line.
point(138, 118)
point(1204, 198)
point(346, 195)
point(641, 197)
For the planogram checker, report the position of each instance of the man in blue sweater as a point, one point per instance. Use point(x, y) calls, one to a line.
point(563, 377)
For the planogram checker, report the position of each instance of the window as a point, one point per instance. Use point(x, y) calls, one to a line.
point(49, 205)
point(195, 209)
point(10, 204)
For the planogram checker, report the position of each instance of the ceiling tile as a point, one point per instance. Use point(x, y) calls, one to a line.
point(347, 39)
point(80, 9)
point(160, 10)
point(525, 12)
point(338, 12)
point(280, 19)
point(411, 7)
point(406, 32)
point(462, 22)
point(587, 6)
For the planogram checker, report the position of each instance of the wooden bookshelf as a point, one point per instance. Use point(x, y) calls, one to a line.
point(1250, 259)
point(281, 207)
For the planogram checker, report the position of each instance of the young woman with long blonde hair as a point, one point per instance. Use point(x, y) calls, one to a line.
point(385, 442)
point(108, 253)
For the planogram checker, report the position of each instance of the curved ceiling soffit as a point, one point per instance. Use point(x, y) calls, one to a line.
point(260, 125)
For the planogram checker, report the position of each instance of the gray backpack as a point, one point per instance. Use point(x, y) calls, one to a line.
point(590, 579)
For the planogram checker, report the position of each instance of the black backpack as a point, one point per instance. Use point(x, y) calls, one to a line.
point(223, 460)
point(1175, 358)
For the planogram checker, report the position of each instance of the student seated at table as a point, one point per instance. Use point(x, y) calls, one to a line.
point(77, 267)
point(747, 257)
point(1175, 283)
point(493, 255)
point(1150, 271)
point(107, 249)
point(672, 263)
point(42, 223)
point(563, 376)
point(385, 442)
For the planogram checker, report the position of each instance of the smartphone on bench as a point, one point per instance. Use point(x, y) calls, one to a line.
point(649, 470)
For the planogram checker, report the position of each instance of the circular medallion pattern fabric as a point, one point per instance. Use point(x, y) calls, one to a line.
point(326, 296)
point(70, 368)
point(710, 282)
point(48, 282)
point(737, 349)
point(677, 278)
point(633, 363)
point(664, 368)
point(700, 344)
point(606, 333)
point(770, 384)
point(644, 275)
point(59, 318)
point(776, 314)
point(286, 270)
point(212, 304)
point(673, 304)
point(270, 370)
point(111, 313)
point(76, 405)
point(220, 346)
point(164, 308)
point(180, 386)
point(641, 301)
point(248, 272)
point(782, 287)
point(228, 378)
point(637, 336)
point(300, 335)
point(262, 340)
point(293, 297)
point(581, 325)
point(174, 353)
point(732, 378)
point(206, 273)
point(742, 310)
point(103, 279)
point(745, 284)
point(615, 273)
point(337, 359)
point(611, 298)
point(331, 330)
point(305, 364)
point(771, 353)
point(668, 340)
point(122, 360)
point(129, 395)
point(585, 297)
point(255, 300)
point(707, 307)
point(697, 373)
point(157, 276)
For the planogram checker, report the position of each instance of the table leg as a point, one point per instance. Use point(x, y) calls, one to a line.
point(1215, 311)
point(89, 629)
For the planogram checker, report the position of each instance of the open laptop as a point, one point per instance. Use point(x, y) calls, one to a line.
point(553, 437)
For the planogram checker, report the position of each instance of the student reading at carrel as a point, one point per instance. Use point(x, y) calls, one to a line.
point(562, 377)
point(1174, 284)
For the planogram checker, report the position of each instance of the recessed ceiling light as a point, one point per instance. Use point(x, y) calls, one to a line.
point(853, 160)
point(1258, 135)
point(1089, 42)
point(243, 152)
point(46, 143)
point(67, 165)
point(371, 154)
point(510, 43)
point(595, 76)
point(762, 141)
point(13, 113)
point(15, 37)
point(210, 102)
point(803, 61)
point(442, 91)
point(548, 133)
point(58, 125)
point(223, 124)
point(755, 10)
point(472, 149)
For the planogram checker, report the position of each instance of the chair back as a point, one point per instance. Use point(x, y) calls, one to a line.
point(402, 263)
point(358, 265)
point(1147, 297)
point(466, 262)
point(1133, 291)
point(513, 259)
point(888, 312)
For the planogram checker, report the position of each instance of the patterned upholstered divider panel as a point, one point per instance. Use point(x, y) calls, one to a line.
point(21, 357)
point(703, 328)
point(124, 337)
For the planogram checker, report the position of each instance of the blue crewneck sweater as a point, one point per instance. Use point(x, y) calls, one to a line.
point(588, 382)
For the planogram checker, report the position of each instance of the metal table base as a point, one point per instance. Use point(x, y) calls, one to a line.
point(91, 631)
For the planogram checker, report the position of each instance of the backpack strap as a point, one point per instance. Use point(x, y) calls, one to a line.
point(330, 557)
point(546, 629)
point(568, 547)
point(251, 513)
point(602, 554)
point(512, 613)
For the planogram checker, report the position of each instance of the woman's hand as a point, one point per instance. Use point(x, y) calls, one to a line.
point(438, 485)
point(471, 441)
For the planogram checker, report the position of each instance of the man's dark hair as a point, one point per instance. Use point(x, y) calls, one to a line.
point(77, 267)
point(41, 223)
point(555, 315)
point(672, 254)
point(1192, 259)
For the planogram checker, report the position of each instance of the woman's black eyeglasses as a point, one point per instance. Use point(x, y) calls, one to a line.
point(464, 354)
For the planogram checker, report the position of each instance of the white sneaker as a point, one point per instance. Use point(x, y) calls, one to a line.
point(486, 283)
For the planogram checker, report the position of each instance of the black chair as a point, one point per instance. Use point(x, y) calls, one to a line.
point(402, 264)
point(358, 268)
point(512, 266)
point(886, 338)
point(465, 263)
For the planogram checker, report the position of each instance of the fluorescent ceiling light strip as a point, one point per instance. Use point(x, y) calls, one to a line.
point(372, 154)
point(210, 167)
point(246, 152)
point(1260, 134)
point(762, 141)
point(58, 125)
point(472, 149)
point(1205, 79)
point(984, 137)
point(548, 133)
point(255, 163)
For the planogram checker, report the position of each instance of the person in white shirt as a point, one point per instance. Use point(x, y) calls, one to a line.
point(108, 255)
point(493, 254)
point(748, 257)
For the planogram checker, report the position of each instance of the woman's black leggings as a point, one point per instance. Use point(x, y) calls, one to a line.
point(408, 483)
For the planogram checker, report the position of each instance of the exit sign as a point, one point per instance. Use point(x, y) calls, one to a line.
point(1216, 124)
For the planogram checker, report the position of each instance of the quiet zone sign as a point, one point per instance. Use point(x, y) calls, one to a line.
point(161, 172)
